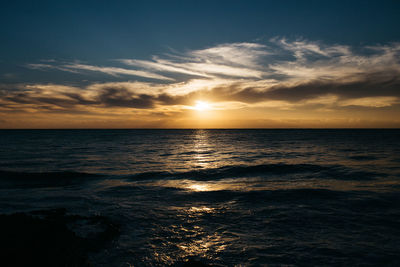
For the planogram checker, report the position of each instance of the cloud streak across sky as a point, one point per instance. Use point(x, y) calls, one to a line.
point(299, 76)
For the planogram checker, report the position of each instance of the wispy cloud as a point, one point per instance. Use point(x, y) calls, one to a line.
point(114, 71)
point(285, 61)
point(229, 60)
point(41, 66)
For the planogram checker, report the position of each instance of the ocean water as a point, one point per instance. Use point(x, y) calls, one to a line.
point(222, 197)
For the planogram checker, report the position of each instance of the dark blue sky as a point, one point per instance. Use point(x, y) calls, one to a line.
point(100, 30)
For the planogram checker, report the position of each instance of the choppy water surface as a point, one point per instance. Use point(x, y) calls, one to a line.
point(224, 197)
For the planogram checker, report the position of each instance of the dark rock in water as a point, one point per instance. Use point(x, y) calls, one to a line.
point(52, 238)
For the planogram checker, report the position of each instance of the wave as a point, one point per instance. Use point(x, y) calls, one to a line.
point(205, 152)
point(338, 172)
point(264, 171)
point(267, 197)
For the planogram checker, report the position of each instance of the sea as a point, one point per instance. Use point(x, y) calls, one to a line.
point(218, 197)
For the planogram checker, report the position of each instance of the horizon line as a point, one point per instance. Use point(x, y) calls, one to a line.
point(258, 128)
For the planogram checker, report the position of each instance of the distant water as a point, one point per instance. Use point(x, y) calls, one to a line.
point(223, 197)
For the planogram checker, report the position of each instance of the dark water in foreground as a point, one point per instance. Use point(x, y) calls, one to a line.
point(224, 197)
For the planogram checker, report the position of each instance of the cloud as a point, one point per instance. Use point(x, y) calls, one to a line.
point(41, 66)
point(100, 96)
point(114, 71)
point(298, 61)
point(282, 74)
point(244, 54)
point(139, 95)
point(371, 85)
point(382, 101)
point(317, 61)
point(303, 48)
point(228, 60)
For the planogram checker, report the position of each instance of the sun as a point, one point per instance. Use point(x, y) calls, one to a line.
point(202, 105)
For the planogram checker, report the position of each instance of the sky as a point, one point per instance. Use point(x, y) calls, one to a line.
point(200, 64)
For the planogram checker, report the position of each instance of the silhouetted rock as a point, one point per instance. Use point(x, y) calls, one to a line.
point(52, 238)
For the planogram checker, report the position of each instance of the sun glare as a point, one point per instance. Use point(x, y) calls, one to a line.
point(201, 105)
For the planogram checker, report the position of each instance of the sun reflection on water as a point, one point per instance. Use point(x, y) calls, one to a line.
point(203, 246)
point(199, 187)
point(201, 243)
point(202, 156)
point(189, 236)
point(201, 209)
